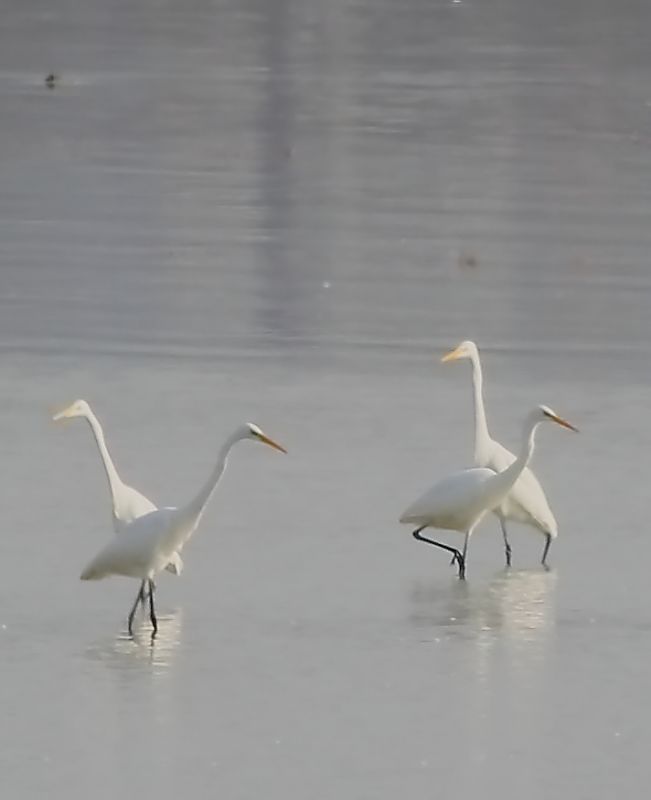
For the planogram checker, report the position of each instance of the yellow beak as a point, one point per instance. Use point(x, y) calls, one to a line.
point(59, 415)
point(271, 443)
point(564, 423)
point(451, 356)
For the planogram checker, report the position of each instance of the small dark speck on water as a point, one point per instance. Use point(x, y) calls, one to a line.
point(51, 80)
point(467, 260)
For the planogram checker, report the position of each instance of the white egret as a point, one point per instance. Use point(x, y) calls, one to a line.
point(150, 541)
point(526, 502)
point(459, 501)
point(128, 503)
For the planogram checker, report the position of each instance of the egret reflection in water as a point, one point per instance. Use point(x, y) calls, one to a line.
point(516, 604)
point(124, 652)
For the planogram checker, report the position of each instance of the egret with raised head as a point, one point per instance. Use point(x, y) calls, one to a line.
point(460, 501)
point(150, 541)
point(128, 503)
point(526, 501)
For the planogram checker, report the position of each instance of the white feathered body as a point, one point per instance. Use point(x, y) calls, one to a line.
point(526, 502)
point(457, 502)
point(149, 543)
point(129, 504)
point(147, 546)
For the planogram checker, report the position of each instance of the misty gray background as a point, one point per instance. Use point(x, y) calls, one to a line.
point(286, 212)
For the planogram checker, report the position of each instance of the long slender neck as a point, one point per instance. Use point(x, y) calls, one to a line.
point(195, 508)
point(510, 475)
point(115, 483)
point(482, 437)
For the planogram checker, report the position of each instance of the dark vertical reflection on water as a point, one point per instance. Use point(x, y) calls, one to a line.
point(281, 295)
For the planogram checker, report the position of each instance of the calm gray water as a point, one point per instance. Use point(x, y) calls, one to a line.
point(285, 212)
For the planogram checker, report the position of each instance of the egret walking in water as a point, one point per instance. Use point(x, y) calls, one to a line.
point(526, 501)
point(128, 503)
point(459, 501)
point(150, 541)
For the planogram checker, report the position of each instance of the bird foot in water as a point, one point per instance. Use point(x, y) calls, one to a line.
point(460, 560)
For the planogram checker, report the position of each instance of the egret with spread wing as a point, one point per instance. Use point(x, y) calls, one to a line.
point(526, 501)
point(459, 502)
point(150, 541)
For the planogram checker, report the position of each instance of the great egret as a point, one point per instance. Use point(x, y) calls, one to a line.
point(526, 502)
point(150, 541)
point(459, 501)
point(128, 503)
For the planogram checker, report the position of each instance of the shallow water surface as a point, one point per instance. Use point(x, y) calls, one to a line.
point(285, 212)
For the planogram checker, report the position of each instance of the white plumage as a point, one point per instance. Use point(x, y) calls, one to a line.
point(127, 503)
point(145, 551)
point(454, 503)
point(459, 501)
point(526, 501)
point(150, 541)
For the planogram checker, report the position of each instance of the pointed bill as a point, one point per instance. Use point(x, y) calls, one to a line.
point(271, 443)
point(452, 355)
point(563, 422)
point(59, 415)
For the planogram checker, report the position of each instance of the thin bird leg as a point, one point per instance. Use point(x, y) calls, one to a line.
point(457, 556)
point(465, 545)
point(507, 546)
point(548, 541)
point(152, 613)
point(132, 613)
point(143, 595)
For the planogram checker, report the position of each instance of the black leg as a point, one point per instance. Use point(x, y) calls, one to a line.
point(548, 541)
point(507, 546)
point(152, 613)
point(456, 554)
point(143, 595)
point(140, 598)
